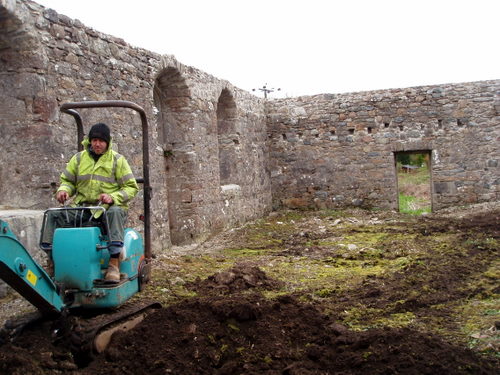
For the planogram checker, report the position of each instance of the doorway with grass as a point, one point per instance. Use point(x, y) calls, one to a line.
point(413, 170)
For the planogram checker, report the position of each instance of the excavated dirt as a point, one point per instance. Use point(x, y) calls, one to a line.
point(236, 318)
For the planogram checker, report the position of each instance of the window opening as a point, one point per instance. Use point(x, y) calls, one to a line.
point(229, 161)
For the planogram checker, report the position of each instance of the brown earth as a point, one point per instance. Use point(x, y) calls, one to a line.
point(267, 298)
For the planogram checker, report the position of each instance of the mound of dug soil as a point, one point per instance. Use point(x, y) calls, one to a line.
point(239, 278)
point(246, 334)
point(250, 335)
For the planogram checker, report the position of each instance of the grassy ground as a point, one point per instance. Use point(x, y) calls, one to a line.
point(414, 191)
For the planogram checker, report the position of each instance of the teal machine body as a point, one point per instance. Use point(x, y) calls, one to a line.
point(80, 256)
point(27, 277)
point(80, 260)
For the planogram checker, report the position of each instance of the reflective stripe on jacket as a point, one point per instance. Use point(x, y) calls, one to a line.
point(87, 178)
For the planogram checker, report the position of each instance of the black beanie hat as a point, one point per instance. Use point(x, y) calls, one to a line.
point(100, 131)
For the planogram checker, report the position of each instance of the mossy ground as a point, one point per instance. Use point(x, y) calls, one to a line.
point(304, 292)
point(365, 269)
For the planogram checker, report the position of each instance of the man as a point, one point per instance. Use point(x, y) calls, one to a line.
point(96, 176)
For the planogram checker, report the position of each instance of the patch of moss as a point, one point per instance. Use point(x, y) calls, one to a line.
point(268, 232)
point(397, 320)
point(245, 252)
point(478, 319)
point(359, 318)
point(483, 243)
point(332, 214)
point(325, 292)
point(319, 278)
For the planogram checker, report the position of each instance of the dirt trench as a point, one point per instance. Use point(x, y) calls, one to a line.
point(352, 292)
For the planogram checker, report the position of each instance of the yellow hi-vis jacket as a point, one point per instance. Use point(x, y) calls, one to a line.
point(87, 178)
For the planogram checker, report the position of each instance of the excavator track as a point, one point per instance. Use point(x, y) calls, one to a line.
point(90, 337)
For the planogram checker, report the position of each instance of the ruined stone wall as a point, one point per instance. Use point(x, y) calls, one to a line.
point(219, 155)
point(47, 59)
point(338, 150)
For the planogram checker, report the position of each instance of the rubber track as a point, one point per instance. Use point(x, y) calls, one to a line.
point(85, 330)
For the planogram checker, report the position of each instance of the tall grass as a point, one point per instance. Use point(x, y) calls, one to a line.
point(413, 205)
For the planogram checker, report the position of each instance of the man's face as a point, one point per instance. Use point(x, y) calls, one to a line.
point(98, 145)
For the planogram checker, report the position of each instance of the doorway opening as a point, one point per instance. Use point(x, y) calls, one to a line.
point(413, 170)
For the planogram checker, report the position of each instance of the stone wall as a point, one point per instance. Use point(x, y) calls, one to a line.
point(47, 59)
point(219, 155)
point(339, 150)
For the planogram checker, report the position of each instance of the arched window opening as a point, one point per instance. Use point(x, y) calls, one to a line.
point(171, 97)
point(228, 139)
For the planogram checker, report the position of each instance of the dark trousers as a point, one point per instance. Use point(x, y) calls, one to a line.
point(116, 218)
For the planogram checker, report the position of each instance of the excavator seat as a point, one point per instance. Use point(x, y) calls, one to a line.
point(74, 217)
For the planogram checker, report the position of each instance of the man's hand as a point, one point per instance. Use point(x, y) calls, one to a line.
point(106, 198)
point(62, 196)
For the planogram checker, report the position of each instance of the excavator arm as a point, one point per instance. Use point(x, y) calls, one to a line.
point(23, 274)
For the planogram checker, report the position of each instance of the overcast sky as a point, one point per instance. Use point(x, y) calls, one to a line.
point(311, 46)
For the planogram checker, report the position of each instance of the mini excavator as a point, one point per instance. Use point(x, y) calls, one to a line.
point(76, 292)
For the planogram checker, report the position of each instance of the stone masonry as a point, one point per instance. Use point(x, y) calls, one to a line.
point(339, 150)
point(47, 59)
point(219, 156)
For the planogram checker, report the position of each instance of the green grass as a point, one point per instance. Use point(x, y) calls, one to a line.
point(414, 191)
point(418, 177)
point(411, 205)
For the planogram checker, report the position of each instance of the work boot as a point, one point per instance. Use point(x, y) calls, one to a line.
point(113, 272)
